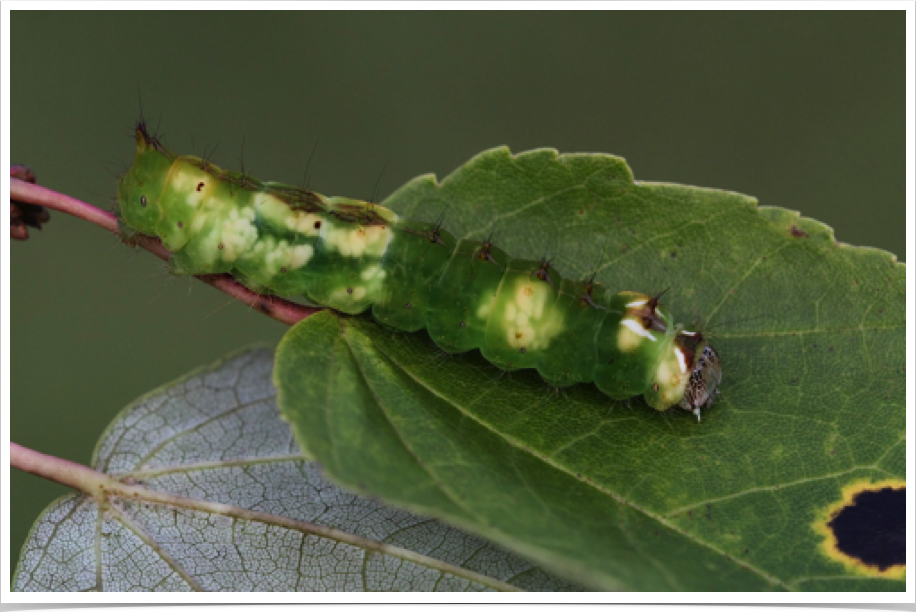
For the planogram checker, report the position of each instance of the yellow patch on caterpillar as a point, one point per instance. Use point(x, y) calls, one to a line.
point(198, 222)
point(300, 255)
point(308, 224)
point(271, 208)
point(486, 307)
point(345, 294)
point(371, 241)
point(511, 312)
point(194, 183)
point(520, 337)
point(671, 376)
point(373, 272)
point(530, 299)
point(631, 335)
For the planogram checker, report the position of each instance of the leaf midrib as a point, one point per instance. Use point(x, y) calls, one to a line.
point(436, 481)
point(519, 445)
point(116, 490)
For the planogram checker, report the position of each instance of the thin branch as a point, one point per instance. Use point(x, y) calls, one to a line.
point(272, 306)
point(65, 472)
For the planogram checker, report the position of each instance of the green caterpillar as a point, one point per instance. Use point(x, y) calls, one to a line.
point(352, 255)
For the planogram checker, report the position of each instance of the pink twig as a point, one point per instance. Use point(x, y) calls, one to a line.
point(65, 472)
point(274, 307)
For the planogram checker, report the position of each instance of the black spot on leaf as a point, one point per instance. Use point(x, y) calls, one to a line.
point(873, 528)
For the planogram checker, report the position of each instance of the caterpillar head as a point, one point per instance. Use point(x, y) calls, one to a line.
point(139, 188)
point(703, 385)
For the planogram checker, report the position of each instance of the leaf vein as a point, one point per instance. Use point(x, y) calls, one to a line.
point(773, 488)
point(147, 539)
point(547, 460)
point(207, 465)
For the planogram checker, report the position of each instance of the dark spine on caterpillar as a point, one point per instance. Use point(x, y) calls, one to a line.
point(352, 256)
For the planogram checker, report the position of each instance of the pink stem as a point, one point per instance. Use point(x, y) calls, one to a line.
point(65, 472)
point(274, 307)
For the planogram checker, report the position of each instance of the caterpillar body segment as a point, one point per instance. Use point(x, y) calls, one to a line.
point(355, 256)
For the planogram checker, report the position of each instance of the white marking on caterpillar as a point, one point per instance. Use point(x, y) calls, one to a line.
point(681, 359)
point(300, 255)
point(631, 335)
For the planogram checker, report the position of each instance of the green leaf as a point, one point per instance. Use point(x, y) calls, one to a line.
point(210, 493)
point(610, 494)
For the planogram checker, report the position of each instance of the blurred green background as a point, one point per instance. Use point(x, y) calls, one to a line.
point(802, 110)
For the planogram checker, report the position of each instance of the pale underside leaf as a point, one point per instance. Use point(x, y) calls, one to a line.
point(226, 502)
